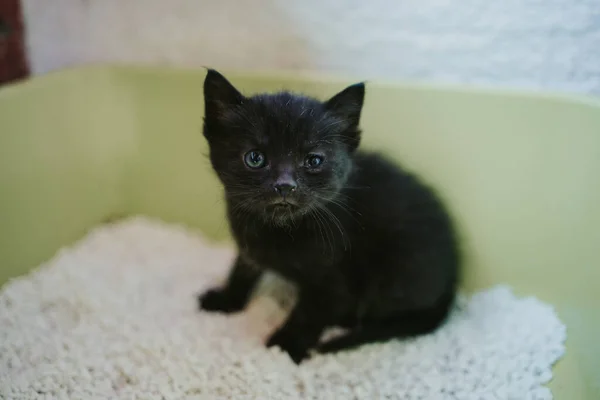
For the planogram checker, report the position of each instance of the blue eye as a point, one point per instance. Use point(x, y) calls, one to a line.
point(314, 161)
point(255, 159)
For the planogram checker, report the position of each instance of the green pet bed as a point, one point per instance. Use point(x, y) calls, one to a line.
point(91, 147)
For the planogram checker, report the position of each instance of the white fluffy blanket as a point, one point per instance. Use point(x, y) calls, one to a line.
point(115, 317)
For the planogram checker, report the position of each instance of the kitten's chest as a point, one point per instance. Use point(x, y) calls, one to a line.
point(295, 254)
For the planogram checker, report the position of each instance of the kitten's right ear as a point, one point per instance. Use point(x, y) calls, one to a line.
point(219, 94)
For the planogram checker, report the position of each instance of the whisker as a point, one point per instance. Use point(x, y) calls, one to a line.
point(326, 229)
point(338, 225)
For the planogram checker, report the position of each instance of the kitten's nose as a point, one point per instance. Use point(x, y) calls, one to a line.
point(285, 188)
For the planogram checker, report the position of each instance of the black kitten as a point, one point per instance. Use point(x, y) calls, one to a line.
point(370, 247)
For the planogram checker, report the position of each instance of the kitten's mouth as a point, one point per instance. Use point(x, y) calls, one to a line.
point(284, 205)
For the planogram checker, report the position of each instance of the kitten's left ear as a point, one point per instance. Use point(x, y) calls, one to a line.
point(348, 103)
point(219, 94)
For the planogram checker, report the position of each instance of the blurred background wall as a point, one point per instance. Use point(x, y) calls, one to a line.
point(543, 44)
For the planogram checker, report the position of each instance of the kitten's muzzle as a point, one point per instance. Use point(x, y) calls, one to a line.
point(286, 194)
point(285, 189)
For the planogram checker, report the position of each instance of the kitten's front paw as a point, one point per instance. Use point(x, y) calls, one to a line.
point(219, 300)
point(290, 343)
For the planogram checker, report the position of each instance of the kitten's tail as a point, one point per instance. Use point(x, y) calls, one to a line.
point(404, 325)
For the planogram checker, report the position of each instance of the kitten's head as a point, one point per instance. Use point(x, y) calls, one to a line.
point(280, 154)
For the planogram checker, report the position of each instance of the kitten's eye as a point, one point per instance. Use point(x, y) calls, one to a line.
point(255, 159)
point(314, 161)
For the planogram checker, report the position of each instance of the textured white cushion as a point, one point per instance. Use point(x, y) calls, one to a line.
point(115, 316)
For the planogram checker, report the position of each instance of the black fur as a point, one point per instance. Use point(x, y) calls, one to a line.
point(370, 247)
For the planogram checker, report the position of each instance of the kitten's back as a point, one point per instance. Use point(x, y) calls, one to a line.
point(404, 220)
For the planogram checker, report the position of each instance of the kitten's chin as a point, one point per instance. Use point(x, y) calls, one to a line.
point(281, 212)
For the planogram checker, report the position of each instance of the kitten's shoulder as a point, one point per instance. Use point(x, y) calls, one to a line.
point(374, 167)
point(388, 181)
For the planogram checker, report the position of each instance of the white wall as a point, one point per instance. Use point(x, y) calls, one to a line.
point(551, 44)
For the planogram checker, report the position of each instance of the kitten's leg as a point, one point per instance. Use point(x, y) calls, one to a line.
point(409, 323)
point(235, 294)
point(303, 328)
